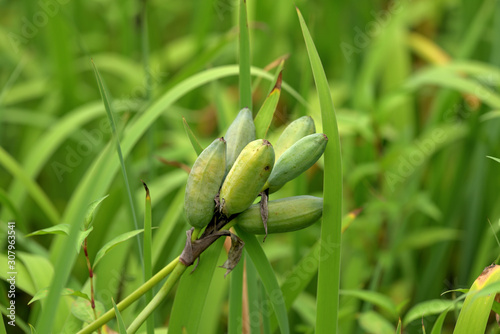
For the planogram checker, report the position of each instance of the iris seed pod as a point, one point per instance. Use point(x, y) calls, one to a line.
point(296, 160)
point(247, 176)
point(204, 182)
point(285, 215)
point(296, 130)
point(238, 135)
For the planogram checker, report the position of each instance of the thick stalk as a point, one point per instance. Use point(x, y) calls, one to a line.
point(158, 298)
point(131, 298)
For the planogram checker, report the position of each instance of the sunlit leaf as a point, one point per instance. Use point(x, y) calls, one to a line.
point(56, 229)
point(113, 243)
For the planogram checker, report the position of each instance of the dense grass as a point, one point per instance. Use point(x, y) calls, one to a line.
point(415, 86)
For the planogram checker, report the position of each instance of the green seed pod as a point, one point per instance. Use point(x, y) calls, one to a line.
point(296, 160)
point(238, 135)
point(204, 182)
point(245, 180)
point(294, 132)
point(285, 215)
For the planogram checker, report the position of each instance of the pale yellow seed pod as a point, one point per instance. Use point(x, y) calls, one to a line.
point(247, 176)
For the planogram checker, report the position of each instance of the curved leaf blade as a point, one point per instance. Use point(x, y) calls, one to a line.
point(113, 243)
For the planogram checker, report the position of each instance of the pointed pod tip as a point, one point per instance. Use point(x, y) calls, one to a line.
point(266, 142)
point(325, 136)
point(222, 139)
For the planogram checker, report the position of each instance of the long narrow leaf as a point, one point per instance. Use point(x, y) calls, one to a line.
point(244, 60)
point(476, 310)
point(109, 112)
point(38, 195)
point(122, 329)
point(192, 138)
point(266, 112)
point(267, 277)
point(235, 321)
point(329, 268)
point(192, 292)
point(113, 243)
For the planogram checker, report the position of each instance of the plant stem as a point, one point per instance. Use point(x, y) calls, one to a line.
point(165, 289)
point(91, 277)
point(158, 298)
point(139, 292)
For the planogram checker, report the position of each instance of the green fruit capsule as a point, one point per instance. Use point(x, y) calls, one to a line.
point(204, 182)
point(284, 215)
point(238, 135)
point(296, 130)
point(245, 180)
point(296, 160)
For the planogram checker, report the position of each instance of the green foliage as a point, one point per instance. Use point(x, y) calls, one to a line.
point(415, 86)
point(329, 268)
point(122, 329)
point(113, 243)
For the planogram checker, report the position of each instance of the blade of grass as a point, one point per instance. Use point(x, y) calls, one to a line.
point(109, 112)
point(445, 78)
point(244, 59)
point(113, 243)
point(304, 271)
point(235, 321)
point(267, 277)
point(2, 326)
point(374, 298)
point(265, 115)
point(475, 29)
point(438, 325)
point(38, 195)
point(476, 310)
point(192, 292)
point(46, 145)
point(253, 296)
point(426, 308)
point(122, 329)
point(329, 267)
point(148, 271)
point(192, 138)
point(215, 302)
point(266, 316)
point(10, 82)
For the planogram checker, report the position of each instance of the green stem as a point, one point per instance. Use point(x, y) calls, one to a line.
point(165, 289)
point(131, 298)
point(91, 278)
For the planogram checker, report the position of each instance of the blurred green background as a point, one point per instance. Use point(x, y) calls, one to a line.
point(415, 86)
